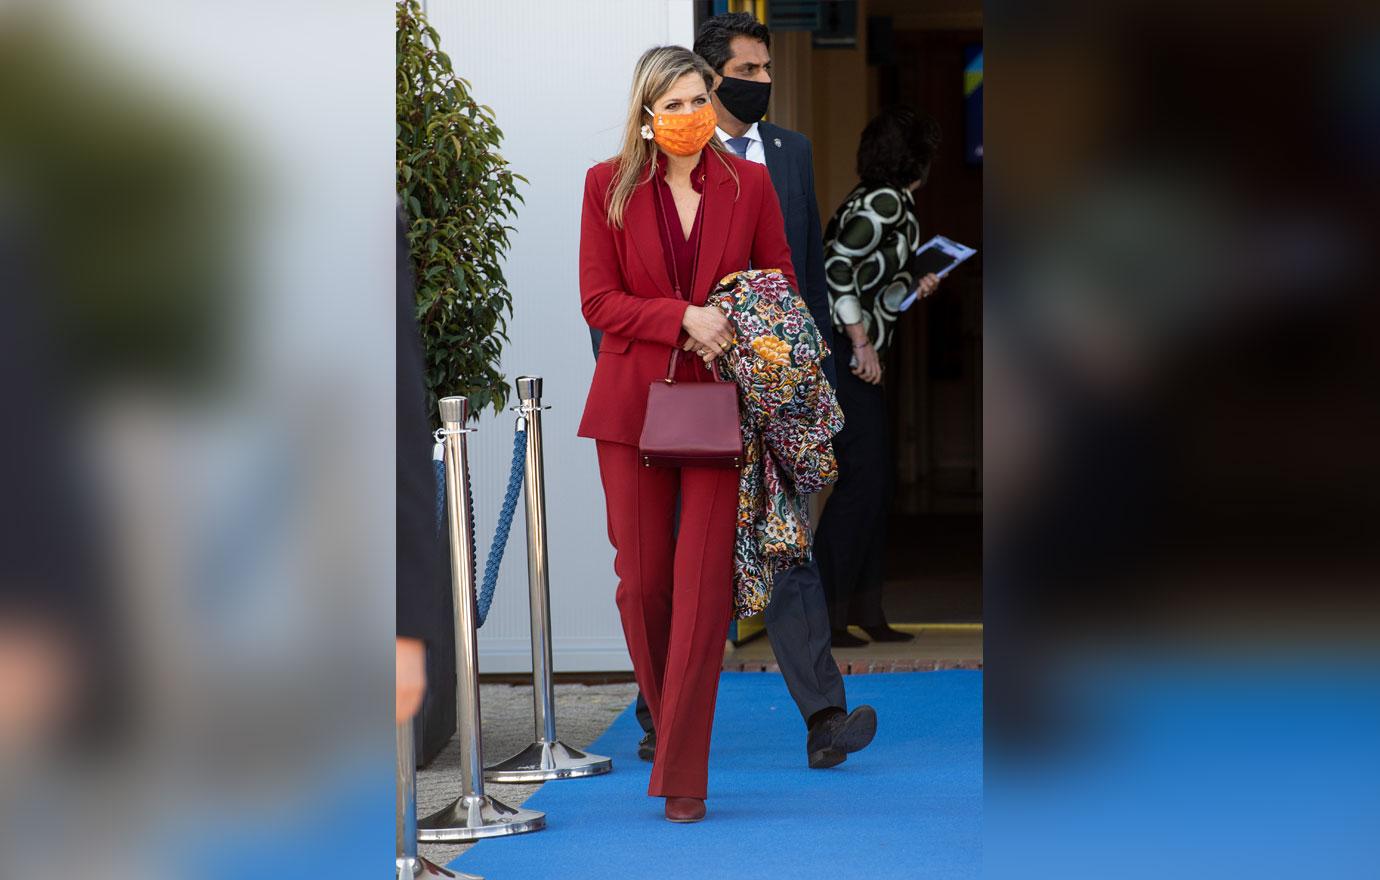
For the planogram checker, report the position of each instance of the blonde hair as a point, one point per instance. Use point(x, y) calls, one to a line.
point(656, 71)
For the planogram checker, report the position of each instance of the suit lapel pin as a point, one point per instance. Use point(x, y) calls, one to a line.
point(776, 141)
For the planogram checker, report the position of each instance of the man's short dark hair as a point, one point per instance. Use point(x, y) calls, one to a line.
point(897, 147)
point(714, 38)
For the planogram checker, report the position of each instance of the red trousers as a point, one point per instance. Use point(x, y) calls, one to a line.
point(675, 596)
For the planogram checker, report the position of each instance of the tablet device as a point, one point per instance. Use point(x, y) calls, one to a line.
point(939, 256)
point(933, 260)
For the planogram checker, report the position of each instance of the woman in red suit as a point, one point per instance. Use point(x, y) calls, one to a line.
point(663, 221)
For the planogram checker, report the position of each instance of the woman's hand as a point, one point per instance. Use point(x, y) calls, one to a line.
point(869, 368)
point(928, 285)
point(710, 332)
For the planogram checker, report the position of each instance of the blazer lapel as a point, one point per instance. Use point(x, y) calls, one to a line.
point(776, 164)
point(718, 211)
point(640, 225)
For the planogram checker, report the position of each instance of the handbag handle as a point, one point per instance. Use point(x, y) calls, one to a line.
point(675, 358)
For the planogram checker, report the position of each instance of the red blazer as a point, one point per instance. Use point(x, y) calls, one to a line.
point(626, 292)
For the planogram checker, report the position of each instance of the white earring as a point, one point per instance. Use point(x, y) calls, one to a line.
point(647, 133)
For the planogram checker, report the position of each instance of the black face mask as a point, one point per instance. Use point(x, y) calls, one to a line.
point(746, 99)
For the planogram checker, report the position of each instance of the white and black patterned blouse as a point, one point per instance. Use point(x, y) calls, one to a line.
point(869, 248)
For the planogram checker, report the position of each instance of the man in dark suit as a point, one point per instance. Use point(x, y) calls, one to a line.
point(737, 47)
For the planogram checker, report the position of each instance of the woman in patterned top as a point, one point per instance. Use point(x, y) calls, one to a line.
point(869, 249)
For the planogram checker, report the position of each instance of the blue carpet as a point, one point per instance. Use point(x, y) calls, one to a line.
point(909, 806)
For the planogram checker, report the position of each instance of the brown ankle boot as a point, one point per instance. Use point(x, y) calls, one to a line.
point(684, 809)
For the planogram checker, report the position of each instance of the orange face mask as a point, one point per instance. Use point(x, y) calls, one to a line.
point(684, 134)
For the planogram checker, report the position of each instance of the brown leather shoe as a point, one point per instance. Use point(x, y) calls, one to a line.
point(684, 809)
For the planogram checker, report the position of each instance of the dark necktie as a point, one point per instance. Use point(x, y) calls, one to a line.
point(739, 146)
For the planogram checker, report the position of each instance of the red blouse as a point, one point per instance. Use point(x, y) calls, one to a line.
point(680, 252)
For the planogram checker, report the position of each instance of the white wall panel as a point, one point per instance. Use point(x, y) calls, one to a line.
point(557, 75)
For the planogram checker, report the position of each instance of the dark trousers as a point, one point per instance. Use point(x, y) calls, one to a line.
point(798, 626)
point(851, 543)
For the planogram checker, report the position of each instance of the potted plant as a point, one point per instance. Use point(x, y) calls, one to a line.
point(457, 194)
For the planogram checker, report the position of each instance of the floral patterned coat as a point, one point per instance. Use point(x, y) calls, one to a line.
point(789, 416)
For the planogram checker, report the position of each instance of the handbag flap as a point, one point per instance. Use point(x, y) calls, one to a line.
point(693, 421)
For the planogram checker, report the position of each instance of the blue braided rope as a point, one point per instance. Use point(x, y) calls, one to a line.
point(439, 466)
point(505, 524)
point(505, 520)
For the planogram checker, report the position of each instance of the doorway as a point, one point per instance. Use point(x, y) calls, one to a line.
point(935, 366)
point(913, 53)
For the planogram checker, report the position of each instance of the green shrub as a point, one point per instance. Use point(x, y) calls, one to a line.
point(457, 193)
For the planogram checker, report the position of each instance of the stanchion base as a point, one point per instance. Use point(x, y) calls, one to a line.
point(475, 817)
point(544, 760)
point(423, 869)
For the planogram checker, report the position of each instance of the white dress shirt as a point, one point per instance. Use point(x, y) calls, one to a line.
point(755, 151)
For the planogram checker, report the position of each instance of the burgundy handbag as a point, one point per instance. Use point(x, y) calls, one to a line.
point(691, 424)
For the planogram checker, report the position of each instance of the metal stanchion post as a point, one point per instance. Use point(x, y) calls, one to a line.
point(408, 866)
point(411, 865)
point(472, 815)
point(548, 757)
